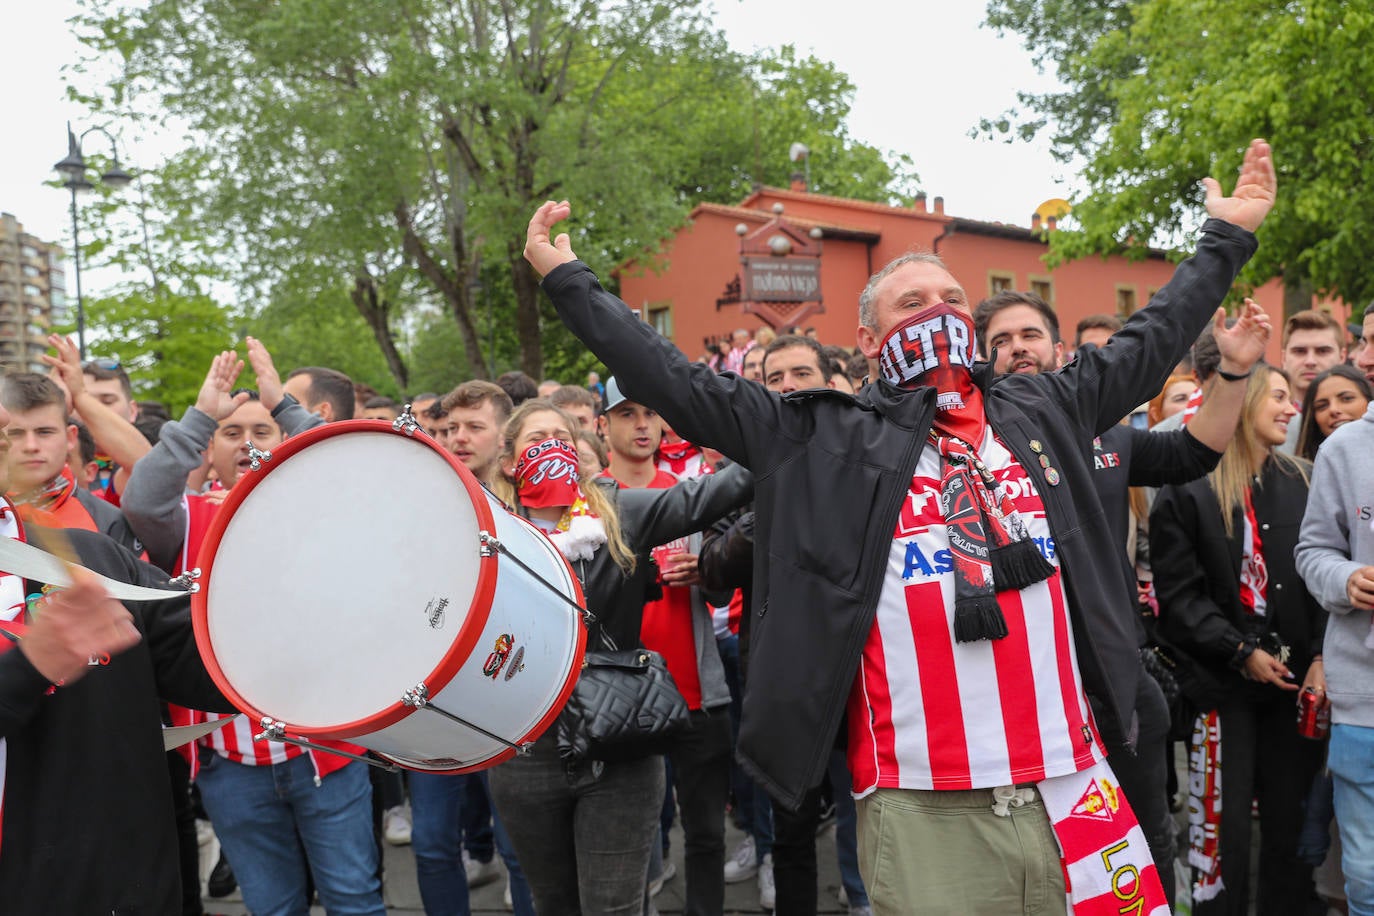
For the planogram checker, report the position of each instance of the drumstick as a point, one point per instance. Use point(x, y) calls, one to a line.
point(56, 542)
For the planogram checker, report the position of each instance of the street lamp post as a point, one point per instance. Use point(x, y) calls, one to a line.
point(73, 169)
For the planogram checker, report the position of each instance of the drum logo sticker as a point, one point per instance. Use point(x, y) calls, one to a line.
point(517, 664)
point(434, 611)
point(497, 659)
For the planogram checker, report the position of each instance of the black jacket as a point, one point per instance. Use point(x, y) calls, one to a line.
point(1197, 579)
point(649, 518)
point(832, 469)
point(88, 825)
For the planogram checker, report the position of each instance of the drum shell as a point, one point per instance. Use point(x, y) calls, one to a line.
point(491, 644)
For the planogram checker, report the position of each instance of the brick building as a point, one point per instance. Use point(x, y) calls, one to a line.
point(696, 299)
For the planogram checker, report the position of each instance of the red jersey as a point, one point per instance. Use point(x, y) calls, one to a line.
point(927, 712)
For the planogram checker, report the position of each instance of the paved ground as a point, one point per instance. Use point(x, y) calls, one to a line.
point(403, 895)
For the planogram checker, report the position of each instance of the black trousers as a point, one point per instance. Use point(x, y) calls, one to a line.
point(1263, 757)
point(794, 856)
point(188, 847)
point(701, 775)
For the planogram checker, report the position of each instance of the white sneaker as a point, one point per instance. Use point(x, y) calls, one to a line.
point(843, 896)
point(768, 892)
point(743, 863)
point(668, 873)
point(480, 873)
point(861, 911)
point(396, 826)
point(506, 897)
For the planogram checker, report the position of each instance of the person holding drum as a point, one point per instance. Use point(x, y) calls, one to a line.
point(87, 817)
point(260, 795)
point(584, 831)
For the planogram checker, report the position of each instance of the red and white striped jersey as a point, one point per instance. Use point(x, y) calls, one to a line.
point(926, 712)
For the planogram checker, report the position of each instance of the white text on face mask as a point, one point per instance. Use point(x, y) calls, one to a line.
point(901, 363)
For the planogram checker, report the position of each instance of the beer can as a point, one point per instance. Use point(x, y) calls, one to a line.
point(1314, 717)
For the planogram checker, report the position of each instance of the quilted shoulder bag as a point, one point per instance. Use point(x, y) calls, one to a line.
point(624, 706)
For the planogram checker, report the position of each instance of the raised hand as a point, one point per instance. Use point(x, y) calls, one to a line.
point(1255, 190)
point(544, 255)
point(214, 399)
point(269, 380)
point(1243, 344)
point(65, 368)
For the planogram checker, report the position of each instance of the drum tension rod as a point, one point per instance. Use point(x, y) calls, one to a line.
point(418, 698)
point(276, 731)
point(491, 545)
point(187, 580)
point(406, 422)
point(257, 456)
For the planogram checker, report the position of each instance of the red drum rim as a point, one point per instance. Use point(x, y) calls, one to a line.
point(459, 650)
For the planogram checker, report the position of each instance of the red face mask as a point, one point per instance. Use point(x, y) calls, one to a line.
point(934, 348)
point(546, 474)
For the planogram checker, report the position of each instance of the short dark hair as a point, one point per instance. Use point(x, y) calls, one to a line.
point(519, 386)
point(575, 396)
point(100, 374)
point(787, 341)
point(1206, 354)
point(25, 391)
point(982, 314)
point(1109, 323)
point(473, 394)
point(85, 442)
point(838, 357)
point(328, 385)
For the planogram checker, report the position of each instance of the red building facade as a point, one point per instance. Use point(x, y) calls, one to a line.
point(697, 297)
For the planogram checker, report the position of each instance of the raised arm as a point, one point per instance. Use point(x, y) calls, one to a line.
point(114, 435)
point(724, 412)
point(152, 501)
point(1108, 382)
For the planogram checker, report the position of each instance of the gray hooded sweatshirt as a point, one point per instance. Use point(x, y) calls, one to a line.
point(1337, 538)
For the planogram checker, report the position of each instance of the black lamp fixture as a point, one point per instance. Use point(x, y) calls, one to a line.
point(73, 169)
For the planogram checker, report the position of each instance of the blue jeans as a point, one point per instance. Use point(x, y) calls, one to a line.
point(1351, 759)
point(437, 811)
point(258, 811)
point(846, 830)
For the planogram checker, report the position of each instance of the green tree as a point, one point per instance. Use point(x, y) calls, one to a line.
point(1159, 93)
point(389, 155)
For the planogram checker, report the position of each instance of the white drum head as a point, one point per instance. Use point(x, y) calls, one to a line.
point(345, 576)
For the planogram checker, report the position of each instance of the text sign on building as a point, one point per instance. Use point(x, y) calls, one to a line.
point(774, 279)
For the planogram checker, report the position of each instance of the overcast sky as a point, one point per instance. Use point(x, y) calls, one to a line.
point(925, 73)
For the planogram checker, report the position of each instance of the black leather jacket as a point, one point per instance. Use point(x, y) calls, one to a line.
point(832, 469)
point(1197, 579)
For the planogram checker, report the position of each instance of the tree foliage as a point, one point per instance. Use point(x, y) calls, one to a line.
point(386, 156)
point(1159, 93)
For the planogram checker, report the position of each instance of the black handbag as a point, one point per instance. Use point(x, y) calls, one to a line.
point(624, 706)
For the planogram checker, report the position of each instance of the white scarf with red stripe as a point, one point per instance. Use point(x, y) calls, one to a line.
point(1108, 869)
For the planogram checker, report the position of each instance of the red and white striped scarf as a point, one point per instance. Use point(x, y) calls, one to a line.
point(1108, 869)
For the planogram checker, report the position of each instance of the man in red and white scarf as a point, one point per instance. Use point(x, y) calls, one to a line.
point(977, 762)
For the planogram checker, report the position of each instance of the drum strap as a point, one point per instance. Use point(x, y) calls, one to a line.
point(30, 562)
point(492, 545)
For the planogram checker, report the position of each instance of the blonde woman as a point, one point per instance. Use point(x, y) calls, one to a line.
point(584, 831)
point(1231, 600)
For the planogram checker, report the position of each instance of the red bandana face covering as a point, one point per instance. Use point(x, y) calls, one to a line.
point(546, 474)
point(934, 348)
